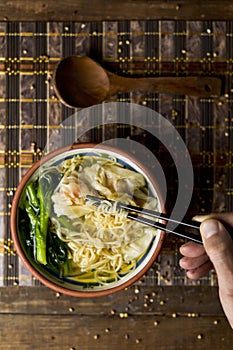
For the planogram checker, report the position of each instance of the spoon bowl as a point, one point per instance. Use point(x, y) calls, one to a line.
point(82, 82)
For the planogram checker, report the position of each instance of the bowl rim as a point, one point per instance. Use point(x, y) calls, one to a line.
point(14, 231)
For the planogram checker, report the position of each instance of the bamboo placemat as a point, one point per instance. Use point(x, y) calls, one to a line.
point(30, 111)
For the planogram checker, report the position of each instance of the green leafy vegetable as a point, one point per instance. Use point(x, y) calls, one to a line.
point(38, 208)
point(57, 254)
point(46, 185)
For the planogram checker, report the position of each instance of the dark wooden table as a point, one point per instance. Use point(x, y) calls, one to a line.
point(164, 310)
point(140, 318)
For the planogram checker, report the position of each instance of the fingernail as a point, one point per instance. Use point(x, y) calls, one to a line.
point(209, 228)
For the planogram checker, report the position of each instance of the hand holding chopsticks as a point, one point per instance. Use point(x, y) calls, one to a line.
point(182, 230)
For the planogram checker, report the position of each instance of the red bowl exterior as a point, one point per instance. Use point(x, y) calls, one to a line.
point(21, 253)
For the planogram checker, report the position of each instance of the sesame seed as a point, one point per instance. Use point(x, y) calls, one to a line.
point(96, 336)
point(156, 323)
point(71, 309)
point(200, 336)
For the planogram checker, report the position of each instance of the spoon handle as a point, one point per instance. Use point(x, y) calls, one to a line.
point(193, 86)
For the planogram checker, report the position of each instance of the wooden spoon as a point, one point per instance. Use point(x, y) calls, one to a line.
point(81, 82)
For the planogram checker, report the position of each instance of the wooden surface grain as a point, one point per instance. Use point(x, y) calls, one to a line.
point(138, 318)
point(98, 10)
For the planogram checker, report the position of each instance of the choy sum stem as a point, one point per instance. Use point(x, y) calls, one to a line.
point(39, 236)
point(41, 231)
point(31, 192)
point(40, 246)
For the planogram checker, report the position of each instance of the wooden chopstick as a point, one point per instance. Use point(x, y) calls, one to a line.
point(179, 230)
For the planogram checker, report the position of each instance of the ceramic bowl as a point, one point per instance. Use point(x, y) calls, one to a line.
point(68, 285)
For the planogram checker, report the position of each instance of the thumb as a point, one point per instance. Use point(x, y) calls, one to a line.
point(219, 247)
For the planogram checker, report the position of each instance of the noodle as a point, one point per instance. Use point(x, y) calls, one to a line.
point(103, 244)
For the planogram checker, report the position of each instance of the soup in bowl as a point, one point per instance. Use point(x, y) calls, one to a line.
point(75, 245)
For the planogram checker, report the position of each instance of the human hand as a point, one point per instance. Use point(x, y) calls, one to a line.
point(216, 252)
